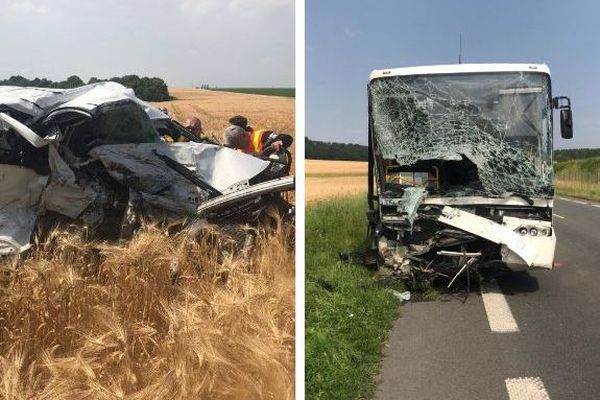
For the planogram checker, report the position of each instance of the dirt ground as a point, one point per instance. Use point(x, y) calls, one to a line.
point(327, 179)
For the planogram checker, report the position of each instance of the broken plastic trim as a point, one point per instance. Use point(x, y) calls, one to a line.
point(273, 186)
point(24, 131)
point(489, 230)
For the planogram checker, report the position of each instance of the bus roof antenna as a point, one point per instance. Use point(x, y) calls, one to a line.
point(460, 48)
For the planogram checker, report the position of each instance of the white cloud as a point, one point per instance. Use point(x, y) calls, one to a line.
point(27, 7)
point(351, 33)
point(201, 6)
point(205, 7)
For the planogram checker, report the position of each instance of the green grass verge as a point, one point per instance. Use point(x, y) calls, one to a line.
point(578, 178)
point(347, 317)
point(283, 92)
point(578, 189)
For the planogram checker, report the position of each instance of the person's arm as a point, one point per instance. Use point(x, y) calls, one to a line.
point(274, 140)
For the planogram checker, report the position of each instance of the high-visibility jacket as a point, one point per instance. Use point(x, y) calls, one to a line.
point(255, 143)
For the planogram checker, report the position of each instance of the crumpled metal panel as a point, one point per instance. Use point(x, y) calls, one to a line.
point(138, 167)
point(500, 122)
point(63, 193)
point(16, 225)
point(220, 167)
point(19, 203)
point(489, 230)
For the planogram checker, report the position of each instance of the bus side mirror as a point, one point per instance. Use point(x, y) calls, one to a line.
point(566, 124)
point(563, 104)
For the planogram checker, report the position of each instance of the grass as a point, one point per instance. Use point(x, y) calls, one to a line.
point(159, 317)
point(578, 178)
point(577, 188)
point(284, 92)
point(347, 317)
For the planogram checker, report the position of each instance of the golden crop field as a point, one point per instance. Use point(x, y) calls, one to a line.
point(161, 316)
point(327, 179)
point(215, 108)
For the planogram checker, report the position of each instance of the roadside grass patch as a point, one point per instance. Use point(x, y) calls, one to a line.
point(348, 315)
point(575, 188)
point(578, 178)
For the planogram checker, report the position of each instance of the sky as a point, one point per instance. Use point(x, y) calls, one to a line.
point(227, 43)
point(345, 40)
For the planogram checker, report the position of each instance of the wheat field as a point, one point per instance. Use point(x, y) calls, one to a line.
point(214, 108)
point(161, 316)
point(329, 179)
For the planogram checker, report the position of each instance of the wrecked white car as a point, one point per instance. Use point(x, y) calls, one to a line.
point(460, 165)
point(93, 155)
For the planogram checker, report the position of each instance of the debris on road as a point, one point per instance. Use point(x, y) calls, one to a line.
point(404, 296)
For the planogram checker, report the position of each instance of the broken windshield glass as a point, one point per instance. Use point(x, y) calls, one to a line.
point(484, 133)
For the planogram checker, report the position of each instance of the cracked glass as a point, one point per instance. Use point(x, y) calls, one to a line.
point(467, 134)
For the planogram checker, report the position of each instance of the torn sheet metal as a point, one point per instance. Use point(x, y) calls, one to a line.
point(271, 186)
point(16, 225)
point(63, 193)
point(19, 203)
point(138, 167)
point(489, 230)
point(223, 168)
point(501, 122)
point(219, 166)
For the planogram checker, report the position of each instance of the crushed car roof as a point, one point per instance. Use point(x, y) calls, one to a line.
point(38, 102)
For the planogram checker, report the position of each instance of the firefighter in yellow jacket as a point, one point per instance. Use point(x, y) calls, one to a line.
point(260, 142)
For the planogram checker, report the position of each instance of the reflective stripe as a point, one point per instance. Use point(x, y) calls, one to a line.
point(257, 140)
point(255, 144)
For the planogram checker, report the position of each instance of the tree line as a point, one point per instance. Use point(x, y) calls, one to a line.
point(316, 150)
point(148, 89)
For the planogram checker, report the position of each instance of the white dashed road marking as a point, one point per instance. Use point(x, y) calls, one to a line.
point(595, 205)
point(559, 216)
point(526, 389)
point(498, 312)
point(574, 201)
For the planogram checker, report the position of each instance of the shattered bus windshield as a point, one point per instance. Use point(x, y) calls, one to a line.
point(465, 134)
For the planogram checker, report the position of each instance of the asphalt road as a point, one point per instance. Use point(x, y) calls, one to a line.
point(447, 350)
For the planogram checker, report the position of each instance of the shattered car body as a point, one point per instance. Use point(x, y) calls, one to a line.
point(460, 160)
point(93, 155)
